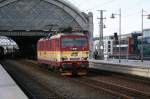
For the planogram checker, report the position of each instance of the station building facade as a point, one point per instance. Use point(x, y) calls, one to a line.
point(146, 43)
point(108, 45)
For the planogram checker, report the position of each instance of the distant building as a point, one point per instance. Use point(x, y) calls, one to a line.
point(108, 45)
point(146, 43)
point(146, 33)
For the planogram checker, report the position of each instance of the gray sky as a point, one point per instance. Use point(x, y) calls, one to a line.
point(131, 14)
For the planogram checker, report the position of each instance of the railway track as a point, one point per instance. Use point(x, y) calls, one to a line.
point(118, 86)
point(134, 78)
point(135, 87)
point(34, 89)
point(130, 85)
point(43, 84)
point(119, 91)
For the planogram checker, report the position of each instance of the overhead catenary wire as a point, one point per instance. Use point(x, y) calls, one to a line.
point(107, 2)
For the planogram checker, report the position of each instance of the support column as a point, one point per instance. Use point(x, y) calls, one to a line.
point(90, 29)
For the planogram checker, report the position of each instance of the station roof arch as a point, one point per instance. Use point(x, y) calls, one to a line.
point(42, 15)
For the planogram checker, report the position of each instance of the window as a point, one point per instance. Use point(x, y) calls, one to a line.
point(67, 42)
point(109, 42)
point(109, 46)
point(70, 42)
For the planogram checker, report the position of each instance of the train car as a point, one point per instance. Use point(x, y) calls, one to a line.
point(67, 53)
point(8, 47)
point(128, 47)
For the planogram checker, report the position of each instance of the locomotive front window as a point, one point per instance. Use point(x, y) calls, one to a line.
point(80, 42)
point(70, 42)
point(67, 42)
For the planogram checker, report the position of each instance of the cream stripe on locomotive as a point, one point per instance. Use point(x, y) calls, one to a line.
point(64, 55)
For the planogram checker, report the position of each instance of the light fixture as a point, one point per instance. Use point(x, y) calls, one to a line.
point(148, 16)
point(112, 16)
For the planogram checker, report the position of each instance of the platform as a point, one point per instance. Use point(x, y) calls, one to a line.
point(8, 88)
point(134, 67)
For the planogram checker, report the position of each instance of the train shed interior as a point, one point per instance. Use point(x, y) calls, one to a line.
point(25, 21)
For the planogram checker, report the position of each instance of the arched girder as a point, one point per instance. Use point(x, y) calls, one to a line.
point(68, 8)
point(74, 12)
point(6, 2)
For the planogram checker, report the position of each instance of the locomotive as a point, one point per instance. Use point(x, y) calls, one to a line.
point(65, 52)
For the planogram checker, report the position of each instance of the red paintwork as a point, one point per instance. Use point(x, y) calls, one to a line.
point(130, 45)
point(45, 45)
point(55, 45)
point(48, 45)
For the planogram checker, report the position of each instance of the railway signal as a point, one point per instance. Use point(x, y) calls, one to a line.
point(116, 38)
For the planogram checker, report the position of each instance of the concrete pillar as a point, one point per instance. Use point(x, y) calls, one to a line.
point(90, 29)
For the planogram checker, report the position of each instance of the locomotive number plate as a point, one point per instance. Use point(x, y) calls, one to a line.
point(74, 54)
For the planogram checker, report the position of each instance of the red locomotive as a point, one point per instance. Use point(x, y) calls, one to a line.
point(67, 53)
